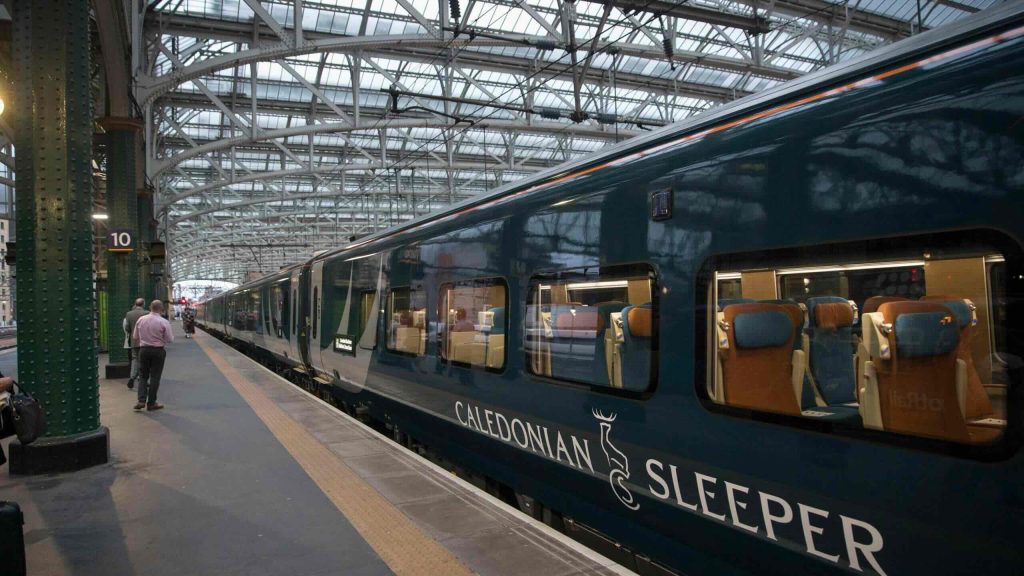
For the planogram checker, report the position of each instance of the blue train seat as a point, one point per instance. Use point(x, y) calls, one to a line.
point(573, 342)
point(760, 368)
point(830, 356)
point(637, 335)
point(920, 387)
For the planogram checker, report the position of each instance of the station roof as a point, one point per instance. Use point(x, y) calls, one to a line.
point(268, 141)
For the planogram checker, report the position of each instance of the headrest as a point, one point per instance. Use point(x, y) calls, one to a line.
point(814, 304)
point(604, 311)
point(499, 320)
point(891, 310)
point(723, 302)
point(586, 319)
point(640, 321)
point(925, 334)
point(833, 315)
point(761, 326)
point(960, 309)
point(564, 321)
point(872, 304)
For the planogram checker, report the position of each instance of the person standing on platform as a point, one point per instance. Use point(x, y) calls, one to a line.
point(153, 332)
point(130, 341)
point(188, 322)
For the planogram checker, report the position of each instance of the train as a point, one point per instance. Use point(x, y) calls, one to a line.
point(782, 337)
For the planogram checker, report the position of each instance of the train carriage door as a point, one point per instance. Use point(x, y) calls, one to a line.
point(316, 328)
point(295, 318)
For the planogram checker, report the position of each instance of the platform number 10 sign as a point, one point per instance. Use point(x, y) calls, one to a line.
point(120, 241)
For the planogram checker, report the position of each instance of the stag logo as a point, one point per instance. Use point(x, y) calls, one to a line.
point(617, 461)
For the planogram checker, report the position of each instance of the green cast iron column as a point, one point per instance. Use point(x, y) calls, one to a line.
point(145, 216)
point(123, 215)
point(56, 302)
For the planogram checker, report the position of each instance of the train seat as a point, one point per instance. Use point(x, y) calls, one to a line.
point(861, 358)
point(723, 302)
point(410, 339)
point(871, 304)
point(573, 342)
point(496, 339)
point(830, 346)
point(635, 351)
point(978, 403)
point(604, 343)
point(467, 347)
point(760, 368)
point(914, 382)
point(798, 313)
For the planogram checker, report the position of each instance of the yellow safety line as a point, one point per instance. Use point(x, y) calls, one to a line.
point(403, 546)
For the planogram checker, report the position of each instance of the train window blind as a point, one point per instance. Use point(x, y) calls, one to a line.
point(473, 322)
point(596, 326)
point(905, 339)
point(407, 326)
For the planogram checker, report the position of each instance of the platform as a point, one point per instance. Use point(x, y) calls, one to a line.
point(244, 473)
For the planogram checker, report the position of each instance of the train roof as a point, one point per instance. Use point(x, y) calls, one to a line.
point(928, 41)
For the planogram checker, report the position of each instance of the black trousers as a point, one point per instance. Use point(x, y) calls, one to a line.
point(151, 366)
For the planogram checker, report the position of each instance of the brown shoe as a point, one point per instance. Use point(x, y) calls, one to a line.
point(152, 407)
point(139, 406)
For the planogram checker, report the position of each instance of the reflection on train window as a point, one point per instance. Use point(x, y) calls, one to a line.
point(911, 346)
point(278, 307)
point(594, 326)
point(472, 322)
point(407, 325)
point(366, 299)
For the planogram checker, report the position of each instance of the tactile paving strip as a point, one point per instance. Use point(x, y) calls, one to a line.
point(403, 546)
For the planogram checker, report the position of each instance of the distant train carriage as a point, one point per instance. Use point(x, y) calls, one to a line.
point(782, 338)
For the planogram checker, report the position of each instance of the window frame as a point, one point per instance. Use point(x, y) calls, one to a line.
point(655, 376)
point(960, 243)
point(441, 312)
point(389, 307)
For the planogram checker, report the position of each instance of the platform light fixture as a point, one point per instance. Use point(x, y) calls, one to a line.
point(100, 216)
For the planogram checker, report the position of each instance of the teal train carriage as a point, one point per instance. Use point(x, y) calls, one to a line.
point(782, 338)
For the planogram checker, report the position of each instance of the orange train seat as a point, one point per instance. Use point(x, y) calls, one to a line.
point(978, 403)
point(920, 386)
point(871, 304)
point(760, 368)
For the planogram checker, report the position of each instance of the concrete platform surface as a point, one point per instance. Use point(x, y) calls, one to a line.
point(244, 473)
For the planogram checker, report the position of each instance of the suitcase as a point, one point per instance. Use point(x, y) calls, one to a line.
point(12, 540)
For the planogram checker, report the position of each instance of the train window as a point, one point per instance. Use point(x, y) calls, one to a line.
point(472, 322)
point(594, 326)
point(407, 331)
point(903, 338)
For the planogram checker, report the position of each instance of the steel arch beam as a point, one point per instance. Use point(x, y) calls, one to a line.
point(318, 170)
point(342, 127)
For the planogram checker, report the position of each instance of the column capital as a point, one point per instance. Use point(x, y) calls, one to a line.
point(120, 123)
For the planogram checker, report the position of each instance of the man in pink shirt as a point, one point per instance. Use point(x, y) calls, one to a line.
point(153, 333)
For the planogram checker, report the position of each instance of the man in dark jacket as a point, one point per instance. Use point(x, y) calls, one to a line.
point(129, 328)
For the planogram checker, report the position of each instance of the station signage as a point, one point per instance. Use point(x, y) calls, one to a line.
point(120, 240)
